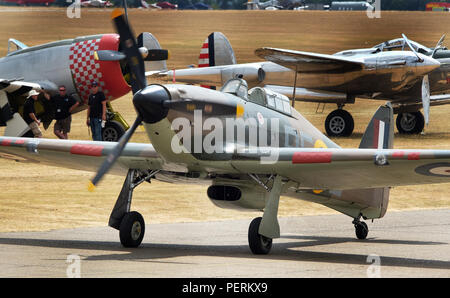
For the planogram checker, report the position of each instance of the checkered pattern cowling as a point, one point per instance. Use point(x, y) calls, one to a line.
point(85, 68)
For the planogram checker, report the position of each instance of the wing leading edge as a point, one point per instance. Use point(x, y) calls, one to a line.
point(309, 62)
point(78, 155)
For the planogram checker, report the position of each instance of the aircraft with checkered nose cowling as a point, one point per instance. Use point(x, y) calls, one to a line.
point(74, 63)
point(221, 139)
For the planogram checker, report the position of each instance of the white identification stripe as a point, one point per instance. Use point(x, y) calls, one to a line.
point(204, 51)
point(203, 61)
point(381, 135)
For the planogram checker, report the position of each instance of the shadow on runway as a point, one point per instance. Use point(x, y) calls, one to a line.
point(287, 251)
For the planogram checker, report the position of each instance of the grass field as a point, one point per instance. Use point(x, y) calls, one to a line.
point(36, 197)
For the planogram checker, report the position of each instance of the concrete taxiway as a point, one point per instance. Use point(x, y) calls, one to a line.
point(403, 244)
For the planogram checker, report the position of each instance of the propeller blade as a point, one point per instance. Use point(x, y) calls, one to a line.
point(129, 47)
point(438, 45)
point(157, 55)
point(426, 98)
point(108, 55)
point(114, 155)
point(411, 47)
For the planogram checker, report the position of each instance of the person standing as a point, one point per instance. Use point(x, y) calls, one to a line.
point(96, 112)
point(64, 105)
point(29, 114)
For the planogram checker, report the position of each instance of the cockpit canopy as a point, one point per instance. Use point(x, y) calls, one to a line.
point(261, 96)
point(236, 87)
point(270, 99)
point(399, 43)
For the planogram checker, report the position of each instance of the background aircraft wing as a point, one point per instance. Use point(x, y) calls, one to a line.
point(437, 100)
point(78, 155)
point(18, 88)
point(309, 62)
point(341, 169)
point(309, 95)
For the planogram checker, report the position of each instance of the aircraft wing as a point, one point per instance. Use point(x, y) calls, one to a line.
point(309, 62)
point(17, 87)
point(78, 155)
point(311, 168)
point(340, 169)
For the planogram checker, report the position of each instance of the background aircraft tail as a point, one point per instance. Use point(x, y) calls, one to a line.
point(147, 40)
point(216, 50)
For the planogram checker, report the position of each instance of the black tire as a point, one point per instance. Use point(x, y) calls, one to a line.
point(132, 229)
point(412, 123)
point(361, 230)
point(259, 245)
point(112, 131)
point(339, 123)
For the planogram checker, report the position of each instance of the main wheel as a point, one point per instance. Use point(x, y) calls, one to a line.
point(112, 131)
point(410, 123)
point(339, 123)
point(132, 229)
point(259, 245)
point(361, 230)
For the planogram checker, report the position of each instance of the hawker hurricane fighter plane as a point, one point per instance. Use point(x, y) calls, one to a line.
point(407, 78)
point(74, 63)
point(250, 146)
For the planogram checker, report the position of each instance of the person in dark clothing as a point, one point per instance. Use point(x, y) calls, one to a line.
point(64, 105)
point(96, 112)
point(29, 114)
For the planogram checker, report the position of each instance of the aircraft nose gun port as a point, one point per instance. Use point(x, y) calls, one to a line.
point(149, 103)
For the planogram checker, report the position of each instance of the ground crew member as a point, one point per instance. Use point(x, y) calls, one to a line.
point(64, 105)
point(29, 114)
point(96, 112)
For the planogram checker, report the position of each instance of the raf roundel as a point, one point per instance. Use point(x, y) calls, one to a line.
point(435, 169)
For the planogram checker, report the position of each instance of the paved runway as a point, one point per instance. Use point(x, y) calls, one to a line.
point(403, 244)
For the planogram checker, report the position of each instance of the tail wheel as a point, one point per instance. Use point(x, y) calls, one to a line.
point(410, 123)
point(259, 245)
point(339, 123)
point(361, 230)
point(132, 229)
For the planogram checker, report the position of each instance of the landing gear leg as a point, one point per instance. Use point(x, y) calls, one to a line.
point(361, 228)
point(131, 225)
point(263, 230)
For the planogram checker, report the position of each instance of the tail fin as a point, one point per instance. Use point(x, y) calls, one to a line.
point(379, 135)
point(216, 51)
point(380, 131)
point(147, 40)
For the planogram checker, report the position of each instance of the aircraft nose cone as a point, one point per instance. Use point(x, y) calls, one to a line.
point(149, 103)
point(429, 64)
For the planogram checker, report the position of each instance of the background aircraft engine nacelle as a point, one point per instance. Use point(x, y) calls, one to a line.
point(238, 196)
point(253, 75)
